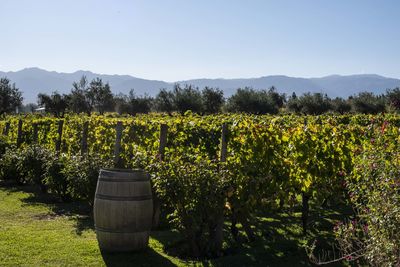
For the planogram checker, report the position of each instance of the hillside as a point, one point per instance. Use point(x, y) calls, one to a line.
point(32, 81)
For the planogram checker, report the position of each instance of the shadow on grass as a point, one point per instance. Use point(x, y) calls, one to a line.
point(147, 257)
point(279, 240)
point(274, 246)
point(78, 211)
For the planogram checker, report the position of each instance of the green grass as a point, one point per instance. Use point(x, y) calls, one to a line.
point(35, 230)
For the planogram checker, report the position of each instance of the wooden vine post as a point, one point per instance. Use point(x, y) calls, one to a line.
point(6, 128)
point(84, 146)
point(19, 133)
point(59, 135)
point(117, 146)
point(35, 133)
point(161, 152)
point(217, 232)
point(305, 197)
point(224, 144)
point(163, 140)
point(305, 211)
point(239, 215)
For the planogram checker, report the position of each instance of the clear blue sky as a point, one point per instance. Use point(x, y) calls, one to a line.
point(182, 39)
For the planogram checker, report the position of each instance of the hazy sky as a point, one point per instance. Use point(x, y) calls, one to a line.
point(182, 39)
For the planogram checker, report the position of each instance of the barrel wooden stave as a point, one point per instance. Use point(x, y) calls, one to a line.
point(136, 216)
point(115, 242)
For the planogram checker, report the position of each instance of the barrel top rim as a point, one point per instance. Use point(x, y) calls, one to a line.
point(123, 170)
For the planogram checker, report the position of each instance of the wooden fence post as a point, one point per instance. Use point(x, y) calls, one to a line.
point(59, 137)
point(6, 128)
point(163, 140)
point(84, 146)
point(35, 133)
point(161, 150)
point(224, 144)
point(117, 146)
point(19, 133)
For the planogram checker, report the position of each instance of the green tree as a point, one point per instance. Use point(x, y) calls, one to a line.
point(252, 101)
point(293, 103)
point(340, 105)
point(138, 104)
point(100, 96)
point(393, 97)
point(314, 104)
point(213, 100)
point(368, 103)
point(164, 101)
point(278, 99)
point(187, 98)
point(10, 96)
point(55, 104)
point(121, 103)
point(78, 101)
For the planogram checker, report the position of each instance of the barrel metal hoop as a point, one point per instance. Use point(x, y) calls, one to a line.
point(122, 198)
point(127, 180)
point(119, 231)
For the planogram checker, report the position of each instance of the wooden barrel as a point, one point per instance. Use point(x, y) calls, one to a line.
point(123, 209)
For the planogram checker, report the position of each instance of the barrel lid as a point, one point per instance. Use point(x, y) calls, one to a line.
point(122, 170)
point(129, 174)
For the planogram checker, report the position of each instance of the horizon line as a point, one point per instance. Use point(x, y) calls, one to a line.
point(204, 78)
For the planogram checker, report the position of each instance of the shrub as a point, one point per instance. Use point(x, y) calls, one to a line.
point(85, 173)
point(374, 188)
point(9, 166)
point(32, 164)
point(58, 176)
point(193, 190)
point(3, 145)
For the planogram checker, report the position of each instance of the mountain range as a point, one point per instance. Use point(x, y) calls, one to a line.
point(32, 81)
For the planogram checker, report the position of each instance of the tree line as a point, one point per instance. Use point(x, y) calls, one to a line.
point(96, 96)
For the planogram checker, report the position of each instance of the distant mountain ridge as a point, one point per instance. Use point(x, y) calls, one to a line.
point(32, 81)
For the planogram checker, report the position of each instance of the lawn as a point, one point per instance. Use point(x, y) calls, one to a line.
point(36, 230)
